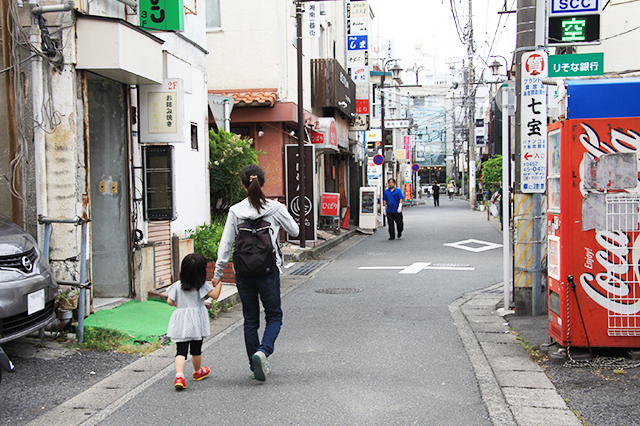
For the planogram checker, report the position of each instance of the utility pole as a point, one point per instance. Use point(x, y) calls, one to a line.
point(471, 113)
point(302, 200)
point(528, 207)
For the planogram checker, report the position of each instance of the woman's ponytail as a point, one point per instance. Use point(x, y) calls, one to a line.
point(252, 177)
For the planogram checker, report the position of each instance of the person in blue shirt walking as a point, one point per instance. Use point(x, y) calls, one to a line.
point(392, 199)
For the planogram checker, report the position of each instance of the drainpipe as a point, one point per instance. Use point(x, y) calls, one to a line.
point(66, 6)
point(39, 140)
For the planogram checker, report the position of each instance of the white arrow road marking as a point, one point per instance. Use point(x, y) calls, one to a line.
point(416, 267)
point(484, 245)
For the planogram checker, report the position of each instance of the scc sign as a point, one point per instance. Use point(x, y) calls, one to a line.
point(572, 6)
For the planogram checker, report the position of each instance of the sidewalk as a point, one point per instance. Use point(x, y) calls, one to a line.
point(516, 391)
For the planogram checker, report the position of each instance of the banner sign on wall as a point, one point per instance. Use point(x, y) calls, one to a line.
point(533, 131)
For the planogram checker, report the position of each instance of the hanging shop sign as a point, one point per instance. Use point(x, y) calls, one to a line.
point(165, 15)
point(161, 111)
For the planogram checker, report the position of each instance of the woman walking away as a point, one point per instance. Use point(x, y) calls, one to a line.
point(451, 189)
point(189, 323)
point(257, 275)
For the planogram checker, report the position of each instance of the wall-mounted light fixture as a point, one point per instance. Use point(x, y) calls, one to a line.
point(260, 131)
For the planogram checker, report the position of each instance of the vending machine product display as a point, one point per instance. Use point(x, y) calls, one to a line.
point(593, 229)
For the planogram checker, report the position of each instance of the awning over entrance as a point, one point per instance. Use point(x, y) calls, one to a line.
point(118, 50)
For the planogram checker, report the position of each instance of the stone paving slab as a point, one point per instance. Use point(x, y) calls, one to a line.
point(509, 363)
point(488, 327)
point(488, 319)
point(491, 337)
point(537, 398)
point(528, 416)
point(500, 350)
point(523, 379)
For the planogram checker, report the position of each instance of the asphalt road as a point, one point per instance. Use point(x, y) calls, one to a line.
point(383, 351)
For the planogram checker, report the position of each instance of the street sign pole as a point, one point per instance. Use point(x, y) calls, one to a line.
point(302, 201)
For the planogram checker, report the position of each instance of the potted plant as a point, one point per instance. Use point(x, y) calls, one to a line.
point(206, 240)
point(67, 299)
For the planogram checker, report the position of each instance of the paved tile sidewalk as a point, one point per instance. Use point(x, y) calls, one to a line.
point(514, 388)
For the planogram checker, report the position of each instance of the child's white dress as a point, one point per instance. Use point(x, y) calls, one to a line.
point(190, 320)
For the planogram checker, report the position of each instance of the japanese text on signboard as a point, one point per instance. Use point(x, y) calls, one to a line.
point(533, 132)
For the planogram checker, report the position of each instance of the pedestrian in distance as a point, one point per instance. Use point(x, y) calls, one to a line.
point(392, 208)
point(451, 189)
point(189, 323)
point(436, 194)
point(497, 200)
point(259, 285)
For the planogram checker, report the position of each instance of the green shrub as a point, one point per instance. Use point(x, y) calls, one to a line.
point(492, 170)
point(228, 154)
point(206, 238)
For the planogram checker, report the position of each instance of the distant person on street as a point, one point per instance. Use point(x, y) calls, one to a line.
point(393, 199)
point(189, 323)
point(451, 189)
point(497, 200)
point(436, 194)
point(253, 289)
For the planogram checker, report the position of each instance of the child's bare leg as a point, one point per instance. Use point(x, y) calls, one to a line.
point(197, 362)
point(180, 361)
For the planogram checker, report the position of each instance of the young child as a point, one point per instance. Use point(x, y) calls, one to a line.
point(189, 323)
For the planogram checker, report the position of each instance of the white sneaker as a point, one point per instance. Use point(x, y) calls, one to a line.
point(260, 366)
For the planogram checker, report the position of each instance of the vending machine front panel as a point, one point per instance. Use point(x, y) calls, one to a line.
point(592, 228)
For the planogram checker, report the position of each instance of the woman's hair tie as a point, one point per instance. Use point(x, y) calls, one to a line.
point(252, 177)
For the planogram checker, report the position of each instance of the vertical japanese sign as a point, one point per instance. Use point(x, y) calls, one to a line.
point(311, 24)
point(358, 58)
point(533, 130)
point(161, 111)
point(303, 216)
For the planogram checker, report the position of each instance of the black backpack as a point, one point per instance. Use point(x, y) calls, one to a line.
point(254, 254)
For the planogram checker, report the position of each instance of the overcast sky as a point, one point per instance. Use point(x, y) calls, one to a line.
point(430, 23)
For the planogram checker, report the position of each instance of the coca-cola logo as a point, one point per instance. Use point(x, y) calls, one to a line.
point(615, 266)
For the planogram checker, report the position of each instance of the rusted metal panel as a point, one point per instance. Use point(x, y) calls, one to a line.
point(332, 87)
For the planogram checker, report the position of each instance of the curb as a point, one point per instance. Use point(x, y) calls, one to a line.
point(314, 252)
point(513, 387)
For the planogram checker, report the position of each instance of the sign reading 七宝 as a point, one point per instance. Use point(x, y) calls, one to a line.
point(163, 15)
point(577, 65)
point(533, 130)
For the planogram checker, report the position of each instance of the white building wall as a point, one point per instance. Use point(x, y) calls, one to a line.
point(255, 48)
point(185, 58)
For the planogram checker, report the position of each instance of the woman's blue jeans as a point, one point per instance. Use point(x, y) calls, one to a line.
point(252, 291)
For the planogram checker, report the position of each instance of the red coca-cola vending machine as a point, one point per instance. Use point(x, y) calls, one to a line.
point(593, 232)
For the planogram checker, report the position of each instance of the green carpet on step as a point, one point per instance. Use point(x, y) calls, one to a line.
point(142, 320)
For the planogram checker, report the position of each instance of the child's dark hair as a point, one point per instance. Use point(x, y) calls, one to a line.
point(252, 178)
point(193, 271)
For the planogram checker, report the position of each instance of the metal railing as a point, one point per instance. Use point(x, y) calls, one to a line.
point(83, 284)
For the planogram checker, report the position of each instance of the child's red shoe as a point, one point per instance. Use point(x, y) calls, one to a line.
point(180, 383)
point(204, 372)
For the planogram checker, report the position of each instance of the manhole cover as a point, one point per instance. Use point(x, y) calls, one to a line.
point(370, 253)
point(339, 290)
